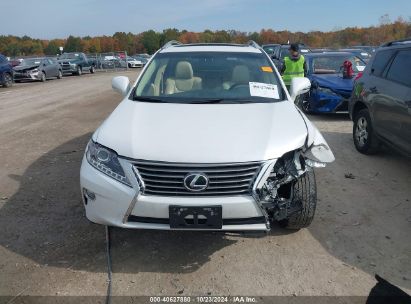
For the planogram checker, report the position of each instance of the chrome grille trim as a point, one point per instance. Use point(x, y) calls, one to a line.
point(225, 179)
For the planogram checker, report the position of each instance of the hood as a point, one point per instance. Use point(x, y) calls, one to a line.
point(68, 60)
point(25, 67)
point(203, 133)
point(333, 81)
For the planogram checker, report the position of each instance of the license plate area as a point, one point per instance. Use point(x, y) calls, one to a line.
point(205, 217)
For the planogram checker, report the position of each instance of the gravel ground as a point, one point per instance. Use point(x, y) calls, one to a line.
point(47, 246)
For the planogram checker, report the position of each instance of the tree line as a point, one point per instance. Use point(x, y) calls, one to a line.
point(150, 41)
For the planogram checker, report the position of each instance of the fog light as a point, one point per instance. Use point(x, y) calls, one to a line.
point(89, 194)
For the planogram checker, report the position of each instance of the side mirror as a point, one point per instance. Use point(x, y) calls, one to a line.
point(121, 84)
point(299, 85)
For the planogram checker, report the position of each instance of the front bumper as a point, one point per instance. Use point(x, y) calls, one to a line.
point(116, 204)
point(68, 69)
point(26, 76)
point(135, 65)
point(327, 103)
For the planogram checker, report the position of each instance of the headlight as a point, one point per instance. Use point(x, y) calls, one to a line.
point(73, 64)
point(327, 91)
point(106, 161)
point(34, 71)
point(317, 156)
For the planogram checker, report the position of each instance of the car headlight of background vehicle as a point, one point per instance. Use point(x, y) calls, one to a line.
point(73, 64)
point(106, 161)
point(34, 71)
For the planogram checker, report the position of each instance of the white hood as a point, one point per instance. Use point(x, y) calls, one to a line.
point(203, 133)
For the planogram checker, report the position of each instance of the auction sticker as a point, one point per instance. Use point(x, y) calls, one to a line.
point(266, 90)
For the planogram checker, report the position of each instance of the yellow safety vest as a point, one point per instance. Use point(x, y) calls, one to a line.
point(293, 68)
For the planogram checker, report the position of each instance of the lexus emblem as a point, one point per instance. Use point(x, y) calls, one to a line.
point(196, 182)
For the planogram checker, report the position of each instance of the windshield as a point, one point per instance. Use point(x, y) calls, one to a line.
point(201, 77)
point(269, 49)
point(32, 61)
point(70, 56)
point(333, 64)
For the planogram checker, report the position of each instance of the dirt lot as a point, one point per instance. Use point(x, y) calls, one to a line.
point(47, 247)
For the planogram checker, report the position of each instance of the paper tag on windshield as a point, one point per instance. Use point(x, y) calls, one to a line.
point(264, 90)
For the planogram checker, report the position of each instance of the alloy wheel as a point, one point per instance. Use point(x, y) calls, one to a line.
point(361, 132)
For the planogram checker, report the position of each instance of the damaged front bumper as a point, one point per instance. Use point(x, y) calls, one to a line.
point(27, 75)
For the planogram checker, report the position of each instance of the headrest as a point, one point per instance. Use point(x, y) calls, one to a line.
point(184, 70)
point(241, 74)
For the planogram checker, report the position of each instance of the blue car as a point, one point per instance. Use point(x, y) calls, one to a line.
point(6, 72)
point(330, 91)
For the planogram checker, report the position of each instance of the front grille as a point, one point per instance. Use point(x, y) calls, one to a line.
point(227, 179)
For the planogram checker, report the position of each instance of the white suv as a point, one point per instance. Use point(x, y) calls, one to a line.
point(207, 138)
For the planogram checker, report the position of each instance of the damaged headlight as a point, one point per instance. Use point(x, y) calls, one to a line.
point(34, 71)
point(326, 91)
point(106, 161)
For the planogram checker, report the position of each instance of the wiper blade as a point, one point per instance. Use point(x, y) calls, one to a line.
point(216, 100)
point(148, 99)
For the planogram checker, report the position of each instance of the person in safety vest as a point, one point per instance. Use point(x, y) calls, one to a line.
point(294, 65)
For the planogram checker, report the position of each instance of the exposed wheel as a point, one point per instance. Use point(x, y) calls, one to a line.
point(43, 77)
point(60, 74)
point(79, 71)
point(7, 80)
point(304, 192)
point(365, 139)
point(92, 70)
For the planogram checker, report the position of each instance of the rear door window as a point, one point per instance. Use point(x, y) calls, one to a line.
point(400, 69)
point(381, 60)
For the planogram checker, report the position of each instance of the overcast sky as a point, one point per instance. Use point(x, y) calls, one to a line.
point(59, 18)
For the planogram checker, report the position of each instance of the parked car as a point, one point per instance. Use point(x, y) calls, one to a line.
point(364, 55)
point(37, 69)
point(330, 91)
point(76, 63)
point(15, 62)
point(321, 50)
point(368, 48)
point(206, 138)
point(6, 72)
point(270, 48)
point(107, 63)
point(142, 59)
point(134, 63)
point(281, 51)
point(380, 105)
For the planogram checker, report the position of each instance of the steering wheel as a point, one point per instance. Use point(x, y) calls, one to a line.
point(238, 85)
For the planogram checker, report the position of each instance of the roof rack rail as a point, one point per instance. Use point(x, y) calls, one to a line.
point(394, 42)
point(171, 43)
point(254, 44)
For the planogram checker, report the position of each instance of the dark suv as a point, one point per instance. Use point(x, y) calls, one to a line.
point(6, 72)
point(380, 104)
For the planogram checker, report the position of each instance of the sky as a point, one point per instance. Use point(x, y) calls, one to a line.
point(48, 19)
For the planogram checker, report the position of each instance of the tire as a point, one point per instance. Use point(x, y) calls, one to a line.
point(92, 70)
point(304, 191)
point(79, 71)
point(43, 77)
point(60, 74)
point(365, 139)
point(7, 80)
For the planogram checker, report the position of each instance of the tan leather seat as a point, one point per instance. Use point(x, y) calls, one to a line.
point(240, 75)
point(184, 80)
